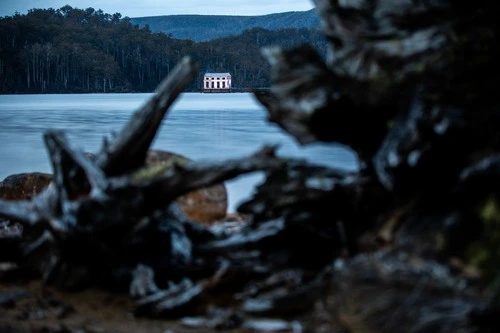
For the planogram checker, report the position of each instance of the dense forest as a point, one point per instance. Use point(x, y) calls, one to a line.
point(70, 50)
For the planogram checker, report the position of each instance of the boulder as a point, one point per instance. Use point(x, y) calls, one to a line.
point(23, 186)
point(205, 205)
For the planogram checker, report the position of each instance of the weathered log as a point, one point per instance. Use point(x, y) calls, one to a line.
point(403, 87)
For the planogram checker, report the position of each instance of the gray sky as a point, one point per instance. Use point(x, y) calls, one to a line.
point(137, 8)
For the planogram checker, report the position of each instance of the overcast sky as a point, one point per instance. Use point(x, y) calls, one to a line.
point(137, 8)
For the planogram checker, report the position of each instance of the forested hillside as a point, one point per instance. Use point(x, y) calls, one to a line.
point(71, 50)
point(207, 27)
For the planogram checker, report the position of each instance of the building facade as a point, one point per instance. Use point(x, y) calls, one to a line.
point(217, 82)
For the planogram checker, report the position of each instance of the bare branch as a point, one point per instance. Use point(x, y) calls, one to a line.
point(94, 176)
point(128, 150)
point(174, 181)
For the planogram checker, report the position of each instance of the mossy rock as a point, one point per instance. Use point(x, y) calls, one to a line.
point(205, 205)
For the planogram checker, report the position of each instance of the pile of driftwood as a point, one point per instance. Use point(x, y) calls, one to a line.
point(409, 243)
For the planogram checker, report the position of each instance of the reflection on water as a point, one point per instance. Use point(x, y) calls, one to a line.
point(200, 126)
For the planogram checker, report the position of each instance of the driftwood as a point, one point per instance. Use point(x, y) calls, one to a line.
point(102, 205)
point(409, 242)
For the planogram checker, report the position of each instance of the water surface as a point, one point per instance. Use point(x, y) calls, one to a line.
point(199, 126)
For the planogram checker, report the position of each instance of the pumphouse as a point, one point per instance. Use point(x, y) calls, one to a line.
point(217, 82)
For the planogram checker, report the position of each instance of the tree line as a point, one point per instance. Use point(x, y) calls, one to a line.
point(71, 50)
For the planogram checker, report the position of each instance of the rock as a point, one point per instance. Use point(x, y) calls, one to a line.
point(23, 186)
point(206, 205)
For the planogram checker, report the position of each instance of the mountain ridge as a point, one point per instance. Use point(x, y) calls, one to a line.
point(200, 28)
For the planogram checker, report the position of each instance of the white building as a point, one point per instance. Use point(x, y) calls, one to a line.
point(217, 82)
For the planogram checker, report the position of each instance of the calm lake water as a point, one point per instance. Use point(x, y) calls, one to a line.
point(199, 126)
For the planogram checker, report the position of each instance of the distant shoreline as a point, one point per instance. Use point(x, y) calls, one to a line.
point(233, 91)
